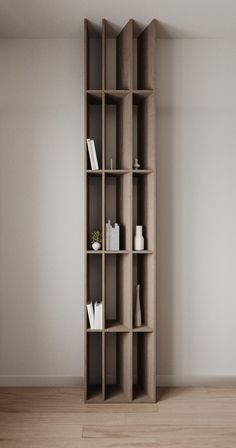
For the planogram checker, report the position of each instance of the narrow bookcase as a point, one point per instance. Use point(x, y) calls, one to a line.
point(120, 359)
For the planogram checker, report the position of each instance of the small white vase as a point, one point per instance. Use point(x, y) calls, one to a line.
point(96, 246)
point(138, 238)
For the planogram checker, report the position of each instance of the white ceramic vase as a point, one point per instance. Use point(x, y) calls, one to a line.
point(96, 246)
point(138, 238)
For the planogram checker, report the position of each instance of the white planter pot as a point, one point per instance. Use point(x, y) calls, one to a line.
point(138, 238)
point(96, 246)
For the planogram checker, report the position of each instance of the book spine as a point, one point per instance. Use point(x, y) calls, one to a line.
point(94, 154)
point(91, 315)
point(118, 237)
point(92, 162)
point(112, 238)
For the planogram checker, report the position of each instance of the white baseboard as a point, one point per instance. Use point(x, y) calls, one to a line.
point(76, 381)
point(40, 381)
point(195, 381)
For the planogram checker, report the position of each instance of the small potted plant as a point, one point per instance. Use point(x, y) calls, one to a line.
point(96, 240)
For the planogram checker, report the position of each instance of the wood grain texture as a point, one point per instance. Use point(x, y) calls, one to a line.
point(58, 418)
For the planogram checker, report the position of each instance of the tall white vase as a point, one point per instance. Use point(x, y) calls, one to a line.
point(138, 238)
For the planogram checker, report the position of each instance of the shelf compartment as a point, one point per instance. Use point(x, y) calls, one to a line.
point(94, 281)
point(118, 50)
point(118, 134)
point(94, 367)
point(144, 57)
point(117, 293)
point(94, 127)
point(144, 132)
point(143, 210)
point(144, 370)
point(94, 206)
point(93, 52)
point(118, 206)
point(144, 275)
point(117, 362)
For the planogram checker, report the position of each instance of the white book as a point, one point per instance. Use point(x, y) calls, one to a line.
point(98, 315)
point(100, 307)
point(117, 237)
point(92, 161)
point(94, 154)
point(108, 229)
point(112, 242)
point(91, 315)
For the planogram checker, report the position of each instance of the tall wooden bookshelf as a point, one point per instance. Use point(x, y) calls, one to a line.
point(120, 360)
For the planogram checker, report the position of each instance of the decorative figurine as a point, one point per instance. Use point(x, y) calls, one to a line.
point(136, 164)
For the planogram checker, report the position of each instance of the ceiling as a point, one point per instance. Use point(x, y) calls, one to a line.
point(64, 18)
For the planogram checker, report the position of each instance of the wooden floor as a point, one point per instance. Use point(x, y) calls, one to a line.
point(57, 417)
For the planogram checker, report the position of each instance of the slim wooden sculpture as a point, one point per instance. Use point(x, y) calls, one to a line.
point(120, 358)
point(137, 314)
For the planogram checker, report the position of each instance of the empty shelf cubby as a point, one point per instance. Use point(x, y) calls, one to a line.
point(118, 295)
point(143, 367)
point(117, 355)
point(93, 48)
point(118, 50)
point(94, 366)
point(143, 57)
point(118, 135)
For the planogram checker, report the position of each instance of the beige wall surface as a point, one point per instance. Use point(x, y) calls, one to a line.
point(41, 210)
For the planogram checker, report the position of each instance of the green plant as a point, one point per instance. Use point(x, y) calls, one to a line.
point(96, 237)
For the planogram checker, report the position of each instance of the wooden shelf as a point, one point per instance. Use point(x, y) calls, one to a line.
point(142, 329)
point(114, 326)
point(119, 92)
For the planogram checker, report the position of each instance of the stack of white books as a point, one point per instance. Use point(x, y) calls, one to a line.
point(92, 154)
point(95, 315)
point(112, 236)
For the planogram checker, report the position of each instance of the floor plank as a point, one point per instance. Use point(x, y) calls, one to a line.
point(58, 418)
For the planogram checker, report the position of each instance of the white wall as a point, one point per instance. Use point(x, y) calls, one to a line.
point(41, 210)
point(196, 128)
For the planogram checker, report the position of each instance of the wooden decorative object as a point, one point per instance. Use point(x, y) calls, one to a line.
point(137, 312)
point(120, 359)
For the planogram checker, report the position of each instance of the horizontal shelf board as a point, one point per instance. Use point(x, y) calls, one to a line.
point(140, 172)
point(94, 252)
point(142, 252)
point(94, 172)
point(108, 252)
point(117, 252)
point(142, 329)
point(116, 327)
point(92, 330)
point(142, 93)
point(117, 93)
point(116, 172)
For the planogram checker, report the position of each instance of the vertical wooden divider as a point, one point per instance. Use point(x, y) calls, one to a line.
point(103, 211)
